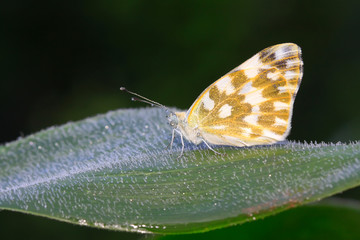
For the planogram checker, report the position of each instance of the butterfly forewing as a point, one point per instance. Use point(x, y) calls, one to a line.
point(252, 104)
point(285, 58)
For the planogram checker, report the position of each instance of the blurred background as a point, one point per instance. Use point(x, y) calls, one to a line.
point(64, 61)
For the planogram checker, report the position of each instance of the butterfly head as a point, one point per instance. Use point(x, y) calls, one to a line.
point(173, 119)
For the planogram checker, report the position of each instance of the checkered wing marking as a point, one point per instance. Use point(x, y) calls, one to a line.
point(253, 103)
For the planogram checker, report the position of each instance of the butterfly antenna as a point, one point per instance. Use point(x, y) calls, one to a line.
point(143, 99)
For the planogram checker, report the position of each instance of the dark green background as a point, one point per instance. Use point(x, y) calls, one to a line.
point(63, 61)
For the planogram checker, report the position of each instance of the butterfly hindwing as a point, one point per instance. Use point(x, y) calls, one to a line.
point(252, 104)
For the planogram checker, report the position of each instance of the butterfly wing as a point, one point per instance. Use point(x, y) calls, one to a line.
point(253, 103)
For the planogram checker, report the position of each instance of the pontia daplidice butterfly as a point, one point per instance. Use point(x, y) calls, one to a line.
point(250, 105)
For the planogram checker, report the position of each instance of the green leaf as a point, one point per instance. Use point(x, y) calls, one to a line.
point(320, 221)
point(112, 171)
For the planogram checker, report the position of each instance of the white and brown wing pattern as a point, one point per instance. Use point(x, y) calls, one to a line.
point(253, 103)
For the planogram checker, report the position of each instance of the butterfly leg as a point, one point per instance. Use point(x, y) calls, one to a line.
point(212, 148)
point(182, 143)
point(172, 140)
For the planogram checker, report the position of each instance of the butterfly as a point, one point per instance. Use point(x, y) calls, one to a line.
point(250, 105)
